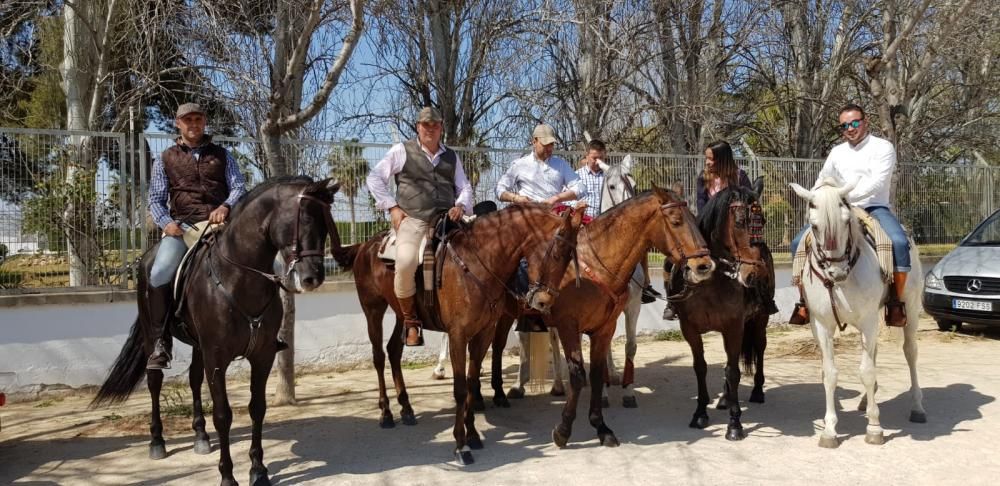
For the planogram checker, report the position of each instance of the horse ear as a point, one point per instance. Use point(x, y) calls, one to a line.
point(627, 164)
point(758, 186)
point(802, 192)
point(328, 185)
point(847, 188)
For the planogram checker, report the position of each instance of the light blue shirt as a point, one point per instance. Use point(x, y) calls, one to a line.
point(538, 180)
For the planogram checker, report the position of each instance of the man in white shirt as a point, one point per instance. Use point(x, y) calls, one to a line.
point(539, 177)
point(870, 161)
point(429, 180)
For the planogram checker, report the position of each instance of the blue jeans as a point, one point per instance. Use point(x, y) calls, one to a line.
point(891, 226)
point(167, 259)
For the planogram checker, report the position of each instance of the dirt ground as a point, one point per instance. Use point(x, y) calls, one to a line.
point(332, 435)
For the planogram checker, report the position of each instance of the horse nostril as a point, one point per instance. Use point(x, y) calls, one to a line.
point(703, 268)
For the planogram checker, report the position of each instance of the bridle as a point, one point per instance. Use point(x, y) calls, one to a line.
point(818, 257)
point(678, 248)
point(754, 216)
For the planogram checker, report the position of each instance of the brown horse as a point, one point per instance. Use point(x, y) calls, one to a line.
point(232, 309)
point(480, 261)
point(731, 302)
point(610, 248)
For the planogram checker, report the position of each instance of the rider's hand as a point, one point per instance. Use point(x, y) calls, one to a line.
point(520, 199)
point(552, 201)
point(173, 229)
point(456, 212)
point(218, 215)
point(397, 215)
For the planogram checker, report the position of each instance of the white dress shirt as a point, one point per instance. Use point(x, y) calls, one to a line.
point(870, 163)
point(538, 180)
point(381, 177)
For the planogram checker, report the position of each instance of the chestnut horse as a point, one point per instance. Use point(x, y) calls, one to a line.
point(480, 260)
point(232, 309)
point(731, 302)
point(610, 248)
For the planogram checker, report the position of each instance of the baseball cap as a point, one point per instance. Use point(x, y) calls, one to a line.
point(429, 114)
point(188, 108)
point(545, 134)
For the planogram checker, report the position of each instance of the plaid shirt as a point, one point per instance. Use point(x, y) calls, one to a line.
point(159, 187)
point(593, 183)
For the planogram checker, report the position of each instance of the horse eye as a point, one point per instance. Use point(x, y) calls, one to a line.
point(612, 186)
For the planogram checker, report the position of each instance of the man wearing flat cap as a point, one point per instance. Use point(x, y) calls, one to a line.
point(429, 181)
point(193, 182)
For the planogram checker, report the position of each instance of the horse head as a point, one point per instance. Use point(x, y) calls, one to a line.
point(547, 261)
point(298, 226)
point(832, 226)
point(734, 223)
point(619, 184)
point(680, 239)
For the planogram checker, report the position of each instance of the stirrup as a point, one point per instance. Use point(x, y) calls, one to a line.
point(800, 315)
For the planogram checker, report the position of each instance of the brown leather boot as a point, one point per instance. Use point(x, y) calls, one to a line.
point(412, 327)
point(800, 315)
point(895, 310)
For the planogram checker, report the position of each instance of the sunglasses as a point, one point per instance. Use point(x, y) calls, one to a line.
point(850, 124)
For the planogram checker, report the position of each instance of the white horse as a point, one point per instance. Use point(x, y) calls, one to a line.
point(839, 282)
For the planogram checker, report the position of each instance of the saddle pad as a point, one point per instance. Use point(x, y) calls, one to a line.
point(879, 240)
point(387, 249)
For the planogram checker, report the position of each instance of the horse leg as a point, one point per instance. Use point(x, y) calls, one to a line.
point(463, 400)
point(524, 366)
point(824, 338)
point(760, 345)
point(259, 370)
point(196, 376)
point(157, 446)
point(693, 338)
point(558, 367)
point(917, 412)
point(374, 317)
point(577, 376)
point(733, 342)
point(222, 414)
point(632, 309)
point(499, 343)
point(477, 351)
point(395, 348)
point(438, 373)
point(869, 345)
point(599, 346)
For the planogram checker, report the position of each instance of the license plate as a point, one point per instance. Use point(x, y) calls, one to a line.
point(972, 305)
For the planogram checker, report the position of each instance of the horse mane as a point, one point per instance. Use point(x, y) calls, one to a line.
point(262, 188)
point(712, 218)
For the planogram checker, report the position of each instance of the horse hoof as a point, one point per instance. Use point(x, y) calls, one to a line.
point(874, 438)
point(202, 447)
point(557, 392)
point(157, 451)
point(699, 422)
point(408, 418)
point(828, 442)
point(501, 401)
point(386, 422)
point(479, 405)
point(437, 376)
point(474, 442)
point(259, 478)
point(605, 403)
point(559, 438)
point(610, 440)
point(629, 402)
point(918, 417)
point(464, 458)
point(516, 393)
point(756, 397)
point(734, 433)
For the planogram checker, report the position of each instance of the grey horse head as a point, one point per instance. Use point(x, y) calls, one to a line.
point(619, 185)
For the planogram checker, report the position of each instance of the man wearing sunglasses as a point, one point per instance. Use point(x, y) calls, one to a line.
point(870, 161)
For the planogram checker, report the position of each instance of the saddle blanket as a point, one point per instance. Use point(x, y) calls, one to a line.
point(879, 239)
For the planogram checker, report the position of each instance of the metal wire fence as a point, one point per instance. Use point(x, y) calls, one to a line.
point(73, 204)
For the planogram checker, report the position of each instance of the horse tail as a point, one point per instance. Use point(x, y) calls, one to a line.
point(751, 330)
point(345, 255)
point(126, 372)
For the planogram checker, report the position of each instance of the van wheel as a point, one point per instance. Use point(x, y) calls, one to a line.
point(947, 325)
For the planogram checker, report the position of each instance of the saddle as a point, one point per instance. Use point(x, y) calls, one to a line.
point(873, 234)
point(198, 238)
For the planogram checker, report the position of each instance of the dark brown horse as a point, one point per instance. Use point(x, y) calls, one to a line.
point(481, 260)
point(730, 303)
point(232, 309)
point(610, 248)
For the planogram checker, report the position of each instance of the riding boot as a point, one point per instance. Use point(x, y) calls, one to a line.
point(649, 294)
point(800, 316)
point(412, 327)
point(669, 314)
point(160, 301)
point(895, 310)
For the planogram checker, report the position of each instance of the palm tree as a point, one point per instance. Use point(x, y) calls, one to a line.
point(349, 167)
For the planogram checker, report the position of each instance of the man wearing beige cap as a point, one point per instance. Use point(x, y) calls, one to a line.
point(193, 181)
point(539, 177)
point(429, 180)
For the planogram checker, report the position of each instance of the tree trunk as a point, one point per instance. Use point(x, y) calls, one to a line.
point(76, 223)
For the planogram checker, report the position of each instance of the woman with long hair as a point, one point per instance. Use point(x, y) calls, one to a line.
point(720, 172)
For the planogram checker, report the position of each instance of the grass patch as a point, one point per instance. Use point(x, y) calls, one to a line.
point(177, 404)
point(672, 335)
point(47, 403)
point(113, 417)
point(415, 365)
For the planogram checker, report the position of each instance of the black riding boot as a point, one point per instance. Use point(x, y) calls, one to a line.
point(160, 300)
